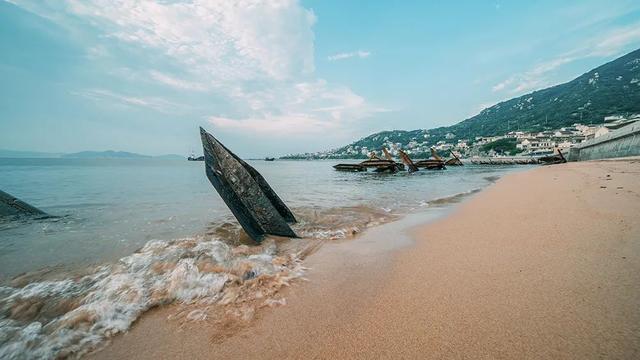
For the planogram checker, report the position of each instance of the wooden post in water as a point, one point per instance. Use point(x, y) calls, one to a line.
point(386, 154)
point(407, 161)
point(435, 155)
point(454, 161)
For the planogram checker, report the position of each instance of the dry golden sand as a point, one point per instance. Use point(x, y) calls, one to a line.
point(543, 264)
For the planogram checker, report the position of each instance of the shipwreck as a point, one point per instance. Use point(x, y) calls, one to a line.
point(553, 159)
point(258, 208)
point(374, 162)
point(454, 161)
point(391, 166)
point(12, 206)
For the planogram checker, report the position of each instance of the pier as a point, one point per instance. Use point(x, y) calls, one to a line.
point(514, 160)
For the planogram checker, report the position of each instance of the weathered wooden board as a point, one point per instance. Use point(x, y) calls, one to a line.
point(259, 210)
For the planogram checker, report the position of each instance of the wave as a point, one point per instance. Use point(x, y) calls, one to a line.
point(341, 222)
point(68, 317)
point(48, 314)
point(451, 199)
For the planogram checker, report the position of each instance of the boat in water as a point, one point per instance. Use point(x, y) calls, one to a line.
point(259, 210)
point(389, 165)
point(454, 161)
point(435, 163)
point(193, 157)
point(377, 164)
point(269, 159)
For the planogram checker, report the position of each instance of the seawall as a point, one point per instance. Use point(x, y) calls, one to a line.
point(618, 143)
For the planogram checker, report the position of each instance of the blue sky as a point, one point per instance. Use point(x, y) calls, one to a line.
point(281, 76)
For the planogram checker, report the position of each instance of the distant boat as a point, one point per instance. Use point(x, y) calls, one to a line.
point(269, 159)
point(193, 157)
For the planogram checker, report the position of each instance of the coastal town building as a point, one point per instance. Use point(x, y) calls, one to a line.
point(525, 143)
point(601, 131)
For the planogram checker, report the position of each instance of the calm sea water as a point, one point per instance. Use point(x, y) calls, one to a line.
point(152, 228)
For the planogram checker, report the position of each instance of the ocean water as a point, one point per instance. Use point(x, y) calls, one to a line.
point(133, 234)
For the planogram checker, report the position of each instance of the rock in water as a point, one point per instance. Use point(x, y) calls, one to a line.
point(247, 194)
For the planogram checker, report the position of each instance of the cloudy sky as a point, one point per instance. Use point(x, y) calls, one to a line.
point(281, 76)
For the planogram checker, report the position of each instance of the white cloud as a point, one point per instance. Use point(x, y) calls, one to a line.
point(533, 78)
point(221, 41)
point(256, 57)
point(176, 82)
point(290, 124)
point(305, 108)
point(341, 56)
point(615, 41)
point(585, 14)
point(609, 44)
point(154, 103)
point(228, 40)
point(502, 85)
point(96, 52)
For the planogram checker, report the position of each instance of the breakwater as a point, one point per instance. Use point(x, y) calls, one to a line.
point(618, 143)
point(514, 160)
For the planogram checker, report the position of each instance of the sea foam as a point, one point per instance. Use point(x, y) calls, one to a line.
point(60, 318)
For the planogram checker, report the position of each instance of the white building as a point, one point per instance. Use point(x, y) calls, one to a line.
point(613, 118)
point(444, 147)
point(462, 145)
point(537, 145)
point(600, 131)
point(563, 133)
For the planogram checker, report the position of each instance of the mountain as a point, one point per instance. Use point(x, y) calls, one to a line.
point(613, 88)
point(26, 154)
point(109, 154)
point(610, 89)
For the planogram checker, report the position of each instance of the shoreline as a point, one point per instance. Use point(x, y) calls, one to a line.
point(560, 280)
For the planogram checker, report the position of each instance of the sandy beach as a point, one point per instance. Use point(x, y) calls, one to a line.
point(545, 263)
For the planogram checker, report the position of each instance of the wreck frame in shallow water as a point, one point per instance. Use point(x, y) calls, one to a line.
point(258, 208)
point(12, 206)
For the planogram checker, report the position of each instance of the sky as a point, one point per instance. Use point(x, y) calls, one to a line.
point(274, 77)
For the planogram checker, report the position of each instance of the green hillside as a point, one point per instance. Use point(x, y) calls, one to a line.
point(613, 88)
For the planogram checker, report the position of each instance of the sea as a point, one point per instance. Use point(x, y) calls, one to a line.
point(127, 235)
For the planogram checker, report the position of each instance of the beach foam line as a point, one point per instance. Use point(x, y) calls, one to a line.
point(71, 316)
point(451, 199)
point(52, 319)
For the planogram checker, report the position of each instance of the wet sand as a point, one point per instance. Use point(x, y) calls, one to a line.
point(543, 264)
